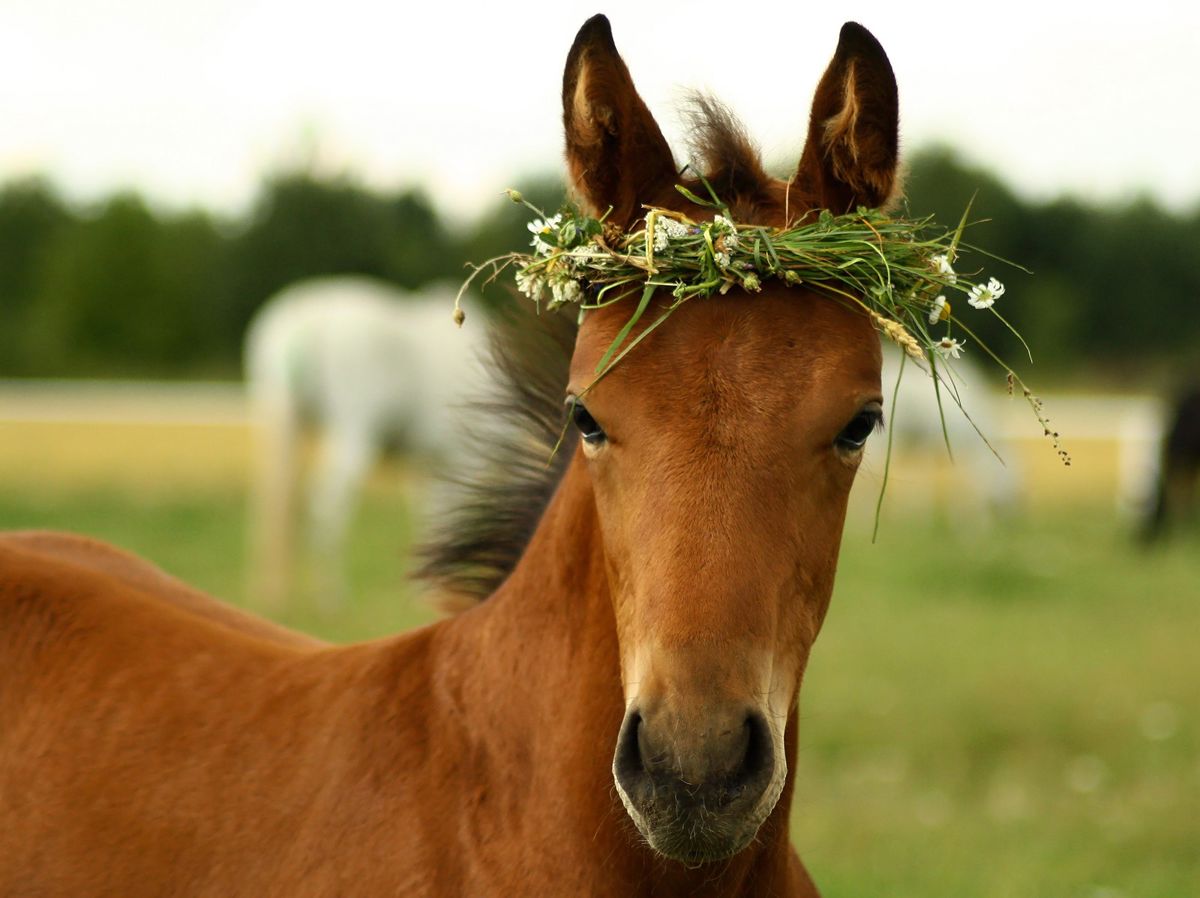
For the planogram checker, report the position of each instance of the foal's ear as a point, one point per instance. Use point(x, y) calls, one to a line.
point(850, 156)
point(616, 154)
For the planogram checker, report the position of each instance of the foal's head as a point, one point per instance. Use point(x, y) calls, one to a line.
point(721, 451)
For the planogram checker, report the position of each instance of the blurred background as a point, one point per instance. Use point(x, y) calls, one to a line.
point(1005, 700)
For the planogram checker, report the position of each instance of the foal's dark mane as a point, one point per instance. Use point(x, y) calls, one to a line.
point(515, 429)
point(724, 152)
point(481, 539)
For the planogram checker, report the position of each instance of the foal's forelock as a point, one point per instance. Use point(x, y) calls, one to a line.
point(728, 159)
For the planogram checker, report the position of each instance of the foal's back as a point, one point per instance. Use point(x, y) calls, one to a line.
point(144, 726)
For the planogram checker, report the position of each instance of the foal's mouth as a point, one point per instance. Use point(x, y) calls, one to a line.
point(695, 836)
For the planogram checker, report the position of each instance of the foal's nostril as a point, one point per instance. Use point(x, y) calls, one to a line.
point(627, 763)
point(758, 757)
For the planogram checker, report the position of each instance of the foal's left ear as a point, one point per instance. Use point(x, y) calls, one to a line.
point(850, 156)
point(616, 154)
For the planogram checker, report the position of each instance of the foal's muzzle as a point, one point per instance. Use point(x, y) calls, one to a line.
point(697, 794)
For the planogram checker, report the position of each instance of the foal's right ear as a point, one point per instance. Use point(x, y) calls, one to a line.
point(616, 154)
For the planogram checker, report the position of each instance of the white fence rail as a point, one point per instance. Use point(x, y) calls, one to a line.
point(134, 402)
point(1131, 424)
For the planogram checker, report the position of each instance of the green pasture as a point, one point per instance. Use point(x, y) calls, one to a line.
point(1004, 712)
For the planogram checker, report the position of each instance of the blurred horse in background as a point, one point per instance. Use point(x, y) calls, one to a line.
point(984, 485)
point(369, 367)
point(1179, 466)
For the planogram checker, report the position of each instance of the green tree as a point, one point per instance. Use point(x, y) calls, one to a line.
point(1117, 285)
point(303, 227)
point(124, 292)
point(31, 217)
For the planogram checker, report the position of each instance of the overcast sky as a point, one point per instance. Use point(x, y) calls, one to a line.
point(192, 101)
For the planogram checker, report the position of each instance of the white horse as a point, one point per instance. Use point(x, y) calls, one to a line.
point(980, 485)
point(366, 364)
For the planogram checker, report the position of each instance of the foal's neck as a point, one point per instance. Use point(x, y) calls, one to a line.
point(539, 674)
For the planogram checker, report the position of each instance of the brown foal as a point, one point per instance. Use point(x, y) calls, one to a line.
point(617, 718)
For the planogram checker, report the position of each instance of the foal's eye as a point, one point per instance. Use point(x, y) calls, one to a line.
point(854, 435)
point(592, 433)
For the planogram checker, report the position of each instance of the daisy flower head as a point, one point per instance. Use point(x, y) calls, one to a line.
point(984, 297)
point(948, 348)
point(541, 228)
point(940, 310)
point(941, 264)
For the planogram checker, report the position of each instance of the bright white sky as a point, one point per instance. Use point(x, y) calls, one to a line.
point(192, 101)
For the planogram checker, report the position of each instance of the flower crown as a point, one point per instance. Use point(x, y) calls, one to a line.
point(898, 270)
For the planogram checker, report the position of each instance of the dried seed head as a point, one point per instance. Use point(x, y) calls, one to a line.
point(898, 334)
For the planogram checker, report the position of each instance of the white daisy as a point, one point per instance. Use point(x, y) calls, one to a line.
point(948, 348)
point(985, 297)
point(939, 311)
point(540, 227)
point(941, 264)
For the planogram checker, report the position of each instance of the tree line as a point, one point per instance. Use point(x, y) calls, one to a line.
point(121, 289)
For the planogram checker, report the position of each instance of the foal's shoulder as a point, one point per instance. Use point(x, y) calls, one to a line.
point(51, 566)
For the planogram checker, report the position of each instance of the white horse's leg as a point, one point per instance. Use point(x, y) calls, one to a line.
point(346, 457)
point(277, 431)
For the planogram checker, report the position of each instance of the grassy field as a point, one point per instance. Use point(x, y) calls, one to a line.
point(994, 712)
point(1006, 714)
